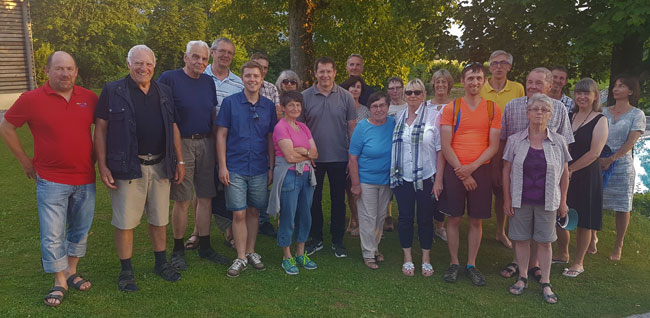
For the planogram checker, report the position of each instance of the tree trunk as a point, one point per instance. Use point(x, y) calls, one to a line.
point(301, 14)
point(627, 57)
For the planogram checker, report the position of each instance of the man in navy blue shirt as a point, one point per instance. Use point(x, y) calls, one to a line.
point(245, 154)
point(195, 101)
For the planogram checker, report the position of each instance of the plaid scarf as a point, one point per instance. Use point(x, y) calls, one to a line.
point(417, 136)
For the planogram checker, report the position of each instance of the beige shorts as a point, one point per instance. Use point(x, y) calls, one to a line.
point(532, 221)
point(199, 157)
point(149, 194)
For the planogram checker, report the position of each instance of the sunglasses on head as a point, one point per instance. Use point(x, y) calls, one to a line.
point(416, 92)
point(470, 64)
point(289, 82)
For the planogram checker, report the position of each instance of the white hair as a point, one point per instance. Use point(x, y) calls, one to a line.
point(139, 47)
point(548, 76)
point(499, 53)
point(200, 43)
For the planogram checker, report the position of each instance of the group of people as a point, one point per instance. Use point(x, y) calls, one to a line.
point(203, 136)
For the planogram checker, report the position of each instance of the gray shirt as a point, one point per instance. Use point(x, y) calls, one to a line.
point(515, 120)
point(327, 118)
point(556, 154)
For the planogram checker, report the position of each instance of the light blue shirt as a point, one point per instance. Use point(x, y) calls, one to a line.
point(230, 85)
point(373, 145)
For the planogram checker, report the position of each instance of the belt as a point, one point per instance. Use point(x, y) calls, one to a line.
point(150, 159)
point(197, 136)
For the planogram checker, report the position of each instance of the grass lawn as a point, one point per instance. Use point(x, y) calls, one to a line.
point(338, 288)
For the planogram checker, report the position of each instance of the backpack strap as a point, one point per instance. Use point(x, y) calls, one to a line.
point(456, 117)
point(490, 110)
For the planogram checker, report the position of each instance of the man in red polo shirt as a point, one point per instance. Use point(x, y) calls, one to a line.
point(59, 115)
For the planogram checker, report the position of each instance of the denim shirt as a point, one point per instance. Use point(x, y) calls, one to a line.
point(121, 138)
point(556, 154)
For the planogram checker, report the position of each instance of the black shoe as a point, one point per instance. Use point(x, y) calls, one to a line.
point(178, 261)
point(213, 256)
point(313, 247)
point(167, 272)
point(339, 250)
point(126, 282)
point(451, 275)
point(475, 275)
point(267, 229)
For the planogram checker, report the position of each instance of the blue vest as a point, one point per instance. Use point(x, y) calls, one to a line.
point(121, 139)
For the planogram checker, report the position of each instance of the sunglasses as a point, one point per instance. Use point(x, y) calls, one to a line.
point(409, 93)
point(255, 115)
point(289, 82)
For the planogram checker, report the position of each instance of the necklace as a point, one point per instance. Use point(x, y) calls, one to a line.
point(583, 122)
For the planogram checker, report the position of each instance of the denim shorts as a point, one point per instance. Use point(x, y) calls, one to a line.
point(65, 213)
point(245, 191)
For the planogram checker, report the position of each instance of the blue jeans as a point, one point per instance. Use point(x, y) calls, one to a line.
point(295, 205)
point(65, 213)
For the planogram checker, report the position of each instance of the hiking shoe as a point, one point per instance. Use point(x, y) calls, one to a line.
point(451, 275)
point(289, 266)
point(313, 247)
point(475, 275)
point(167, 272)
point(256, 261)
point(212, 255)
point(339, 250)
point(237, 267)
point(178, 261)
point(267, 229)
point(306, 262)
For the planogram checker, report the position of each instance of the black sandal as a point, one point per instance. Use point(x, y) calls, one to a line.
point(547, 298)
point(532, 271)
point(126, 282)
point(50, 295)
point(78, 284)
point(509, 269)
point(518, 289)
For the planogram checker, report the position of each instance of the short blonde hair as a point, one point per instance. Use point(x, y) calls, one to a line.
point(442, 73)
point(415, 84)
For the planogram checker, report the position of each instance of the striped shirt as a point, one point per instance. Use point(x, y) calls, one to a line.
point(515, 120)
point(230, 85)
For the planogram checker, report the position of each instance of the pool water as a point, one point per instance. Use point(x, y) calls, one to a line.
point(642, 165)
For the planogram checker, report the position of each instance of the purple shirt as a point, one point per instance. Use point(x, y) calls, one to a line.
point(534, 180)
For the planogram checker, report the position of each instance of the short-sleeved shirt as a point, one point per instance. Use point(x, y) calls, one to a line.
point(193, 100)
point(373, 145)
point(62, 142)
point(394, 109)
point(568, 102)
point(230, 85)
point(509, 92)
point(149, 124)
point(515, 120)
point(299, 138)
point(556, 154)
point(247, 141)
point(269, 91)
point(473, 134)
point(430, 143)
point(327, 117)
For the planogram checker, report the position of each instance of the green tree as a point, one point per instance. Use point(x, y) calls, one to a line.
point(97, 33)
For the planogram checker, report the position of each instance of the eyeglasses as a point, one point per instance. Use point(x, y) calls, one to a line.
point(499, 63)
point(255, 115)
point(538, 109)
point(378, 106)
point(409, 93)
point(395, 88)
point(289, 82)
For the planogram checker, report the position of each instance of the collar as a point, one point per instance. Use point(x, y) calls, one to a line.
point(334, 90)
point(50, 91)
point(506, 88)
point(244, 100)
point(523, 135)
point(231, 76)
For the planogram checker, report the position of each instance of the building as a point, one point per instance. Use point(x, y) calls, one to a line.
point(16, 51)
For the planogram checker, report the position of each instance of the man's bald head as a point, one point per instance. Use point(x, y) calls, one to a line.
point(59, 54)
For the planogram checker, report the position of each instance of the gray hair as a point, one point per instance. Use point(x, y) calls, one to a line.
point(216, 42)
point(199, 43)
point(501, 52)
point(442, 73)
point(590, 86)
point(541, 98)
point(139, 47)
point(288, 74)
point(548, 76)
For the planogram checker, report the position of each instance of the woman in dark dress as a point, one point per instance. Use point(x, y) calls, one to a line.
point(585, 193)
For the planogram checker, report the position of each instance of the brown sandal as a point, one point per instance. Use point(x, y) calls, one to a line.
point(371, 263)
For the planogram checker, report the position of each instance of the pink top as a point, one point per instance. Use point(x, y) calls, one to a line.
point(299, 138)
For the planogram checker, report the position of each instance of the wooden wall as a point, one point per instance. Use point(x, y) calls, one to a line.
point(16, 53)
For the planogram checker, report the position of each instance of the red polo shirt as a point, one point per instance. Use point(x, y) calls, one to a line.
point(63, 148)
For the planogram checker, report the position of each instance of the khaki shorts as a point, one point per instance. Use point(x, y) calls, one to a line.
point(149, 194)
point(199, 157)
point(532, 221)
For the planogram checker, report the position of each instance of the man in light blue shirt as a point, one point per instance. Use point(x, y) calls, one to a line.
point(227, 82)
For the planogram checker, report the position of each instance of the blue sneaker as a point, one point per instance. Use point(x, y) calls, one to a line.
point(306, 262)
point(289, 266)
